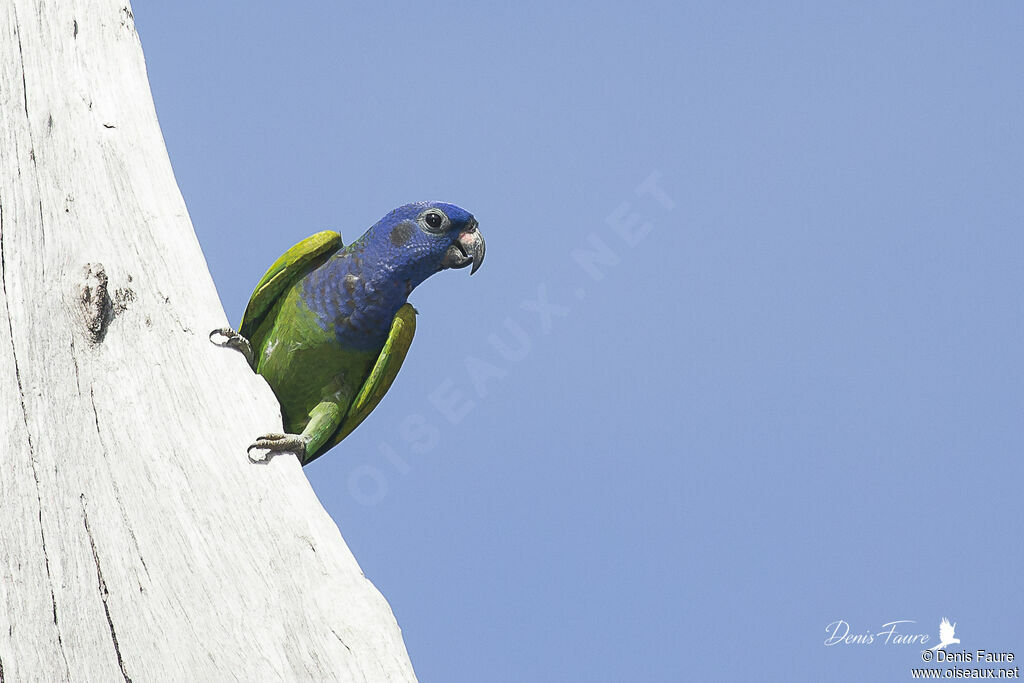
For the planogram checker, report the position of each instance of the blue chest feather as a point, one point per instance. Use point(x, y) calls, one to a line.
point(356, 293)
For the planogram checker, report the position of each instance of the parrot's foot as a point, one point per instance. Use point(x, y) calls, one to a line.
point(232, 340)
point(274, 444)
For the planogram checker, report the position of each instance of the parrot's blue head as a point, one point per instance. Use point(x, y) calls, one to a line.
point(417, 240)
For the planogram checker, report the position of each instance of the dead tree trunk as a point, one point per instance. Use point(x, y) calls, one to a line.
point(136, 540)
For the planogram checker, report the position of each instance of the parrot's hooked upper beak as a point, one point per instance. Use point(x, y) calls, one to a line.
point(468, 248)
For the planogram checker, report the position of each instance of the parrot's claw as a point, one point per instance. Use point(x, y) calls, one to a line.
point(232, 340)
point(274, 444)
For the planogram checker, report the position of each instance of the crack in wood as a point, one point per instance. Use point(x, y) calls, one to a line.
point(28, 434)
point(103, 592)
point(117, 490)
point(341, 641)
point(21, 56)
point(167, 300)
point(46, 558)
point(74, 361)
point(24, 412)
point(96, 419)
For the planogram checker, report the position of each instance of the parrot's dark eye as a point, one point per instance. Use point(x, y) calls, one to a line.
point(434, 220)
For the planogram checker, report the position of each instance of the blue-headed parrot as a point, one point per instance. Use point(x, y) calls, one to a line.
point(328, 326)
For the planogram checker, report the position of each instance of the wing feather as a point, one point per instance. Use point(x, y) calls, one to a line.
point(385, 369)
point(292, 265)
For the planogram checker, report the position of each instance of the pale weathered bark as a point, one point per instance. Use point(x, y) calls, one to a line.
point(136, 540)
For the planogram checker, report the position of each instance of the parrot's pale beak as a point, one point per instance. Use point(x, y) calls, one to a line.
point(468, 248)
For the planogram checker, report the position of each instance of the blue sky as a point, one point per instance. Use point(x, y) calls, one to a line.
point(663, 434)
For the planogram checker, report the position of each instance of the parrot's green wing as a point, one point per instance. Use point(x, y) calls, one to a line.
point(292, 265)
point(384, 371)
